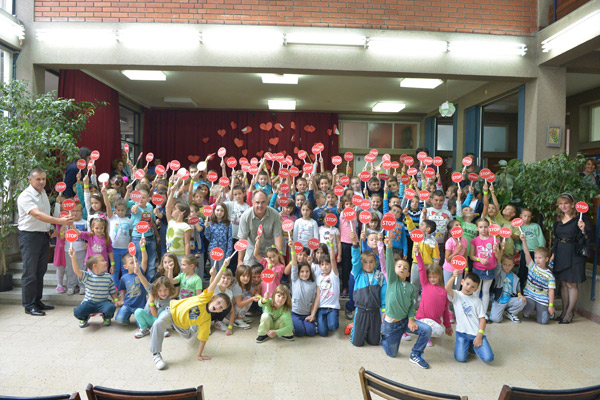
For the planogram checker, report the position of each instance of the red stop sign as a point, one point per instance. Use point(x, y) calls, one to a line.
point(95, 155)
point(473, 177)
point(517, 222)
point(485, 174)
point(71, 235)
point(81, 164)
point(421, 156)
point(370, 158)
point(384, 177)
point(267, 276)
point(283, 201)
point(217, 254)
point(357, 200)
point(241, 245)
point(212, 176)
point(365, 176)
point(386, 164)
point(331, 219)
point(287, 226)
point(364, 217)
point(302, 154)
point(294, 172)
point(412, 171)
point(505, 232)
point(159, 169)
point(222, 151)
point(409, 161)
point(157, 199)
point(207, 211)
point(149, 157)
point(224, 181)
point(338, 190)
point(131, 248)
point(417, 235)
point(142, 227)
point(456, 177)
point(365, 204)
point(284, 188)
point(183, 174)
point(298, 247)
point(175, 165)
point(68, 205)
point(456, 232)
point(284, 173)
point(313, 244)
point(336, 160)
point(307, 168)
point(348, 156)
point(409, 193)
point(438, 161)
point(388, 222)
point(231, 162)
point(581, 207)
point(405, 179)
point(423, 195)
point(60, 187)
point(467, 161)
point(253, 169)
point(459, 262)
point(345, 180)
point(139, 174)
point(193, 220)
point(395, 164)
point(348, 214)
point(494, 229)
point(428, 161)
point(429, 172)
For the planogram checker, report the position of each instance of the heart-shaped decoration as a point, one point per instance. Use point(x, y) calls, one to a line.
point(293, 138)
point(266, 127)
point(297, 162)
point(279, 127)
point(309, 128)
point(293, 125)
point(260, 153)
point(274, 141)
point(205, 140)
point(245, 152)
point(296, 150)
point(194, 158)
point(233, 125)
point(247, 130)
point(221, 132)
point(329, 132)
point(238, 142)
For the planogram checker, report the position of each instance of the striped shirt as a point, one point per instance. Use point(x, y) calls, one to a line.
point(97, 287)
point(538, 282)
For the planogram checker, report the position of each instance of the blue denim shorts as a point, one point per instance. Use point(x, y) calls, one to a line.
point(485, 275)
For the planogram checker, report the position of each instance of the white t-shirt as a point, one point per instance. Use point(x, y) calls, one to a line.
point(468, 310)
point(304, 230)
point(326, 232)
point(330, 290)
point(235, 211)
point(119, 231)
point(80, 244)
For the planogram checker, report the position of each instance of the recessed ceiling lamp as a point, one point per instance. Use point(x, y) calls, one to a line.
point(420, 83)
point(282, 79)
point(142, 75)
point(388, 107)
point(281, 104)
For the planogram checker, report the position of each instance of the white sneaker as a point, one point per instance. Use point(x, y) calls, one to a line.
point(82, 291)
point(512, 317)
point(248, 320)
point(158, 361)
point(220, 325)
point(141, 333)
point(239, 323)
point(167, 333)
point(406, 337)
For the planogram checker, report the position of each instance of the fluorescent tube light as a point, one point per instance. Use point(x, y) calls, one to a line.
point(282, 104)
point(388, 107)
point(570, 33)
point(143, 75)
point(420, 83)
point(283, 79)
point(425, 47)
point(245, 38)
point(313, 38)
point(487, 48)
point(77, 37)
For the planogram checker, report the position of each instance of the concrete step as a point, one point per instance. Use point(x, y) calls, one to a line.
point(50, 296)
point(49, 279)
point(18, 267)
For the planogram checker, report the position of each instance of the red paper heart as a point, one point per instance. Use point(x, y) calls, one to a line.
point(266, 127)
point(309, 128)
point(329, 132)
point(221, 132)
point(205, 140)
point(238, 142)
point(279, 127)
point(293, 125)
point(297, 162)
point(194, 158)
point(293, 138)
point(260, 153)
point(296, 150)
point(274, 141)
point(245, 152)
point(233, 125)
point(247, 130)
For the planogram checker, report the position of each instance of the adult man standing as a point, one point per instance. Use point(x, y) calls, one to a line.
point(34, 224)
point(259, 214)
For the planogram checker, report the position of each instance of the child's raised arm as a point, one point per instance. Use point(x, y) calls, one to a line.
point(334, 267)
point(74, 263)
point(144, 254)
point(257, 248)
point(215, 282)
point(450, 283)
point(140, 274)
point(170, 202)
point(526, 249)
point(486, 201)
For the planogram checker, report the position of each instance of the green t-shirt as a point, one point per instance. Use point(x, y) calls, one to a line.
point(399, 295)
point(175, 237)
point(189, 286)
point(469, 232)
point(534, 236)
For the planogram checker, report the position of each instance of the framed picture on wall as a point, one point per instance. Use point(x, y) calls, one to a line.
point(553, 136)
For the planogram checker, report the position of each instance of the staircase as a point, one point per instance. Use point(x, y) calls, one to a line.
point(51, 296)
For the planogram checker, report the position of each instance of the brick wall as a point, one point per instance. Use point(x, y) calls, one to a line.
point(501, 17)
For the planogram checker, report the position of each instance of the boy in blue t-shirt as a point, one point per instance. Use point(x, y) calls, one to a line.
point(144, 211)
point(398, 235)
point(132, 292)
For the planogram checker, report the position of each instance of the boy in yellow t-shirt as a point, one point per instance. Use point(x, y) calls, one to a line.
point(189, 316)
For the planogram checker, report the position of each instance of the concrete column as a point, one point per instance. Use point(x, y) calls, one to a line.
point(545, 105)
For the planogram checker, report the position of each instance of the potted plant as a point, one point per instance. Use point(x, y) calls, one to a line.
point(35, 131)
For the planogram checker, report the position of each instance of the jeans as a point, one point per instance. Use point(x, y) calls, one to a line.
point(329, 320)
point(393, 331)
point(150, 250)
point(461, 348)
point(118, 270)
point(123, 315)
point(34, 252)
point(83, 311)
point(350, 303)
point(303, 327)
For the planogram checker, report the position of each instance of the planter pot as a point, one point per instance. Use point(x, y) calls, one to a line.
point(6, 282)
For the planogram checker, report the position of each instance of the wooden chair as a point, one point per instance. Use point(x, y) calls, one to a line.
point(515, 393)
point(388, 389)
point(102, 393)
point(74, 396)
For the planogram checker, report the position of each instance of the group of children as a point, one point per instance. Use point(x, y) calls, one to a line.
point(394, 288)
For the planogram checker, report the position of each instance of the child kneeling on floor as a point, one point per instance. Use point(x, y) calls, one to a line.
point(189, 316)
point(276, 319)
point(98, 287)
point(470, 319)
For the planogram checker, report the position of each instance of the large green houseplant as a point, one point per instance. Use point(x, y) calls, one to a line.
point(35, 131)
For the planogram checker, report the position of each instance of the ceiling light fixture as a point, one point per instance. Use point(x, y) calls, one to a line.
point(571, 33)
point(11, 25)
point(423, 47)
point(144, 75)
point(180, 101)
point(282, 79)
point(312, 38)
point(447, 109)
point(487, 48)
point(388, 107)
point(281, 104)
point(420, 83)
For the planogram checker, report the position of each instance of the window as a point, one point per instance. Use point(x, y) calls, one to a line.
point(595, 123)
point(130, 130)
point(445, 137)
point(379, 134)
point(494, 138)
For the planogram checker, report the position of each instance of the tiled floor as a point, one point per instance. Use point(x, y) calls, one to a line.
point(51, 354)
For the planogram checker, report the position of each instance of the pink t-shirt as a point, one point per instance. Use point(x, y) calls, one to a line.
point(451, 245)
point(434, 299)
point(96, 245)
point(484, 249)
point(278, 269)
point(345, 230)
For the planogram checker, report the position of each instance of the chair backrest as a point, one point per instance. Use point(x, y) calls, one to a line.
point(102, 393)
point(74, 396)
point(388, 389)
point(515, 393)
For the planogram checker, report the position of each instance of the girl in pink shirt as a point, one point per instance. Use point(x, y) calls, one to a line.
point(434, 300)
point(345, 228)
point(99, 241)
point(485, 253)
point(453, 247)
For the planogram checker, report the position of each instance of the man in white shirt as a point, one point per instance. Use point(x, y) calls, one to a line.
point(34, 224)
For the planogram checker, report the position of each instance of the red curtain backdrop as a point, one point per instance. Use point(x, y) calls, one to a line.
point(103, 131)
point(190, 135)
